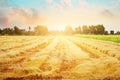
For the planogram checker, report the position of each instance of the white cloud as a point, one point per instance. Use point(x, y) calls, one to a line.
point(65, 13)
point(49, 1)
point(66, 3)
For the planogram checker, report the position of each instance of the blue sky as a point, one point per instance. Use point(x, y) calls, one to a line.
point(56, 14)
point(27, 3)
point(43, 3)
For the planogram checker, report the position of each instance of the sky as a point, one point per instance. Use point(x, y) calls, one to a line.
point(56, 14)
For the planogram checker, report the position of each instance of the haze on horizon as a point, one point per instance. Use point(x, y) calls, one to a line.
point(56, 14)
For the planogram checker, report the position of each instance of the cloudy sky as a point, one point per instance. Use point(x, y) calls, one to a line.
point(56, 14)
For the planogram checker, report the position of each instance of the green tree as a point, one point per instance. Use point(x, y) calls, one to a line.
point(117, 33)
point(100, 29)
point(92, 29)
point(17, 31)
point(112, 32)
point(106, 33)
point(0, 31)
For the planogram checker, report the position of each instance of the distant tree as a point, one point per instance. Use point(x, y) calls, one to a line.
point(5, 31)
point(0, 30)
point(17, 31)
point(106, 33)
point(85, 29)
point(100, 29)
point(92, 29)
point(112, 32)
point(28, 32)
point(29, 28)
point(8, 31)
point(78, 30)
point(117, 33)
point(69, 30)
point(41, 30)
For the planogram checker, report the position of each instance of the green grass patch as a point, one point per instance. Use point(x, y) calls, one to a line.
point(113, 38)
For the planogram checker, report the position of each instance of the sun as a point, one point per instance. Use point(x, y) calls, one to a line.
point(56, 28)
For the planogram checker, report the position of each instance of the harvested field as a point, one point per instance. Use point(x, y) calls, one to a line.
point(58, 57)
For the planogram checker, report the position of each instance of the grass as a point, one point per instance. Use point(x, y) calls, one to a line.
point(113, 38)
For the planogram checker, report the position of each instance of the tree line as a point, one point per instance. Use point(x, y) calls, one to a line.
point(92, 29)
point(15, 31)
point(38, 30)
point(43, 30)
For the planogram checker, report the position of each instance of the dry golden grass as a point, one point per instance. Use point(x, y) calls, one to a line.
point(61, 58)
